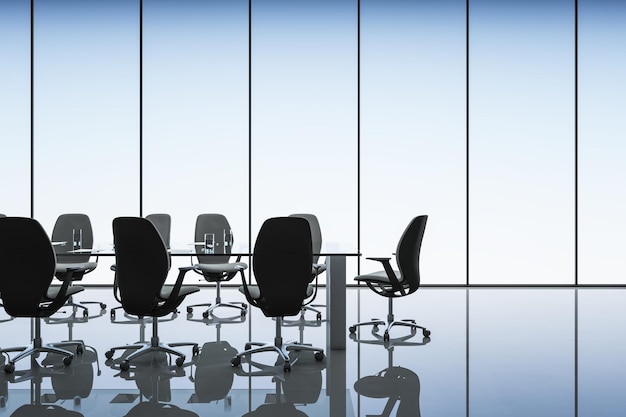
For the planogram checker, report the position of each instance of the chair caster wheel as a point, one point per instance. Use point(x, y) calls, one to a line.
point(247, 346)
point(319, 356)
point(375, 328)
point(125, 366)
point(103, 306)
point(195, 350)
point(236, 361)
point(85, 314)
point(352, 329)
point(205, 315)
point(319, 316)
point(67, 361)
point(243, 313)
point(287, 367)
point(112, 314)
point(9, 368)
point(180, 361)
point(108, 354)
point(386, 336)
point(189, 310)
point(426, 333)
point(79, 350)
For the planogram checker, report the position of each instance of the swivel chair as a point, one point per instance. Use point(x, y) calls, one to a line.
point(74, 252)
point(25, 286)
point(282, 261)
point(392, 284)
point(213, 267)
point(142, 265)
point(163, 224)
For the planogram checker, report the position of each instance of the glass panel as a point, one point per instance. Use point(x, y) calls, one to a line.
point(195, 86)
point(521, 142)
point(413, 131)
point(15, 108)
point(304, 147)
point(602, 149)
point(521, 353)
point(86, 114)
point(601, 345)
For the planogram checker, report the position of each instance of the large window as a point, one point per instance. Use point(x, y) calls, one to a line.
point(304, 115)
point(86, 96)
point(15, 108)
point(262, 108)
point(521, 142)
point(602, 144)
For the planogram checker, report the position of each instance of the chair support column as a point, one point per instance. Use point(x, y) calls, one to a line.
point(390, 314)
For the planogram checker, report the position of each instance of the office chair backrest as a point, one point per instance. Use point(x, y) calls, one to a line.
point(141, 264)
point(408, 252)
point(216, 224)
point(163, 224)
point(24, 283)
point(316, 233)
point(62, 232)
point(281, 263)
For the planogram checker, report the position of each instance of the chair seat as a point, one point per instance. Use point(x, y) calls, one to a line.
point(378, 276)
point(52, 292)
point(221, 268)
point(255, 293)
point(166, 291)
point(83, 266)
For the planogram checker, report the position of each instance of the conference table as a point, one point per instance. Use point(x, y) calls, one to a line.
point(336, 325)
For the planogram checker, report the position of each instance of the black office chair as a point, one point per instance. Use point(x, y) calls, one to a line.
point(215, 268)
point(163, 224)
point(25, 285)
point(73, 251)
point(142, 265)
point(282, 261)
point(317, 268)
point(391, 284)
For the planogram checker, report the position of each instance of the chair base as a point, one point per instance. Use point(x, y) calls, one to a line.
point(154, 345)
point(312, 323)
point(37, 347)
point(389, 324)
point(282, 349)
point(242, 307)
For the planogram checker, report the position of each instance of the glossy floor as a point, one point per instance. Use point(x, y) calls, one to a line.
point(492, 352)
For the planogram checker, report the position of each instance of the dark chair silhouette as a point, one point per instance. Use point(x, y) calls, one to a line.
point(317, 268)
point(142, 265)
point(216, 268)
point(391, 284)
point(282, 261)
point(70, 256)
point(214, 375)
point(25, 285)
point(163, 224)
point(152, 376)
point(396, 384)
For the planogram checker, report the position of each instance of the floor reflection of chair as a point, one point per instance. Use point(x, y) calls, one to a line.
point(301, 388)
point(152, 375)
point(397, 384)
point(214, 374)
point(80, 378)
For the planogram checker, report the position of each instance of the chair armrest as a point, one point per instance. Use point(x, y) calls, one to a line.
point(393, 279)
point(246, 292)
point(317, 273)
point(61, 297)
point(172, 301)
